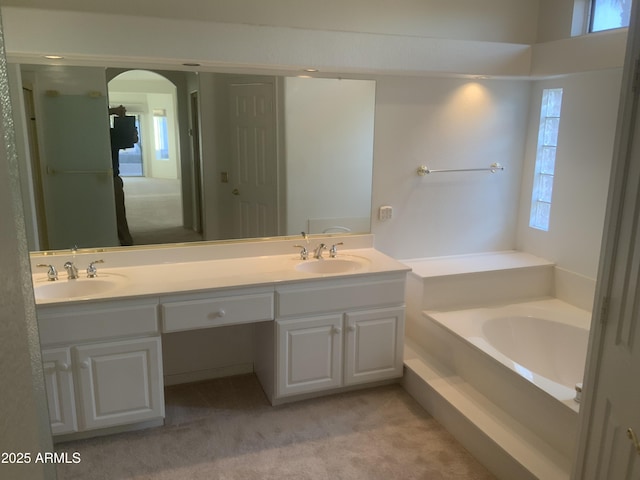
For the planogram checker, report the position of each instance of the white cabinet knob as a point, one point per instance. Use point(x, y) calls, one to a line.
point(218, 314)
point(351, 328)
point(337, 330)
point(85, 364)
point(64, 367)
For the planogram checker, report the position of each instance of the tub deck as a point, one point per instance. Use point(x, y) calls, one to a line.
point(473, 263)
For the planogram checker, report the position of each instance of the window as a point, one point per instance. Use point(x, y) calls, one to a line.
point(545, 158)
point(161, 134)
point(608, 14)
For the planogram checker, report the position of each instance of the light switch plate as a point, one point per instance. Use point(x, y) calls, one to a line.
point(385, 212)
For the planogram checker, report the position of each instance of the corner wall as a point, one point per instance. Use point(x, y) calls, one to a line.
point(584, 154)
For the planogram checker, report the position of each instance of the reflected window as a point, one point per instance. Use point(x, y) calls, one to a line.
point(161, 134)
point(609, 14)
point(545, 158)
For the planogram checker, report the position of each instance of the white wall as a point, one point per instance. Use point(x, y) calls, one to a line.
point(245, 48)
point(583, 161)
point(490, 20)
point(447, 123)
point(328, 141)
point(23, 405)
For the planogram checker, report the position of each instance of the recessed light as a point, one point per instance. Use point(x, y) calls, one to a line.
point(54, 57)
point(311, 70)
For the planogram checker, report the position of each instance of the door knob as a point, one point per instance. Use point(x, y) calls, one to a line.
point(235, 191)
point(634, 439)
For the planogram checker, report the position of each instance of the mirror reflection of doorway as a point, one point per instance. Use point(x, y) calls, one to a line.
point(151, 170)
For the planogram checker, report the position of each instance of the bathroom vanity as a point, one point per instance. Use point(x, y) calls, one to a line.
point(320, 325)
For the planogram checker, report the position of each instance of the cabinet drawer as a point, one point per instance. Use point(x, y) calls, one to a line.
point(215, 312)
point(340, 295)
point(65, 325)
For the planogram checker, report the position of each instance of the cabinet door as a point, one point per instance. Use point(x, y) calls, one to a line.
point(373, 345)
point(309, 354)
point(120, 382)
point(58, 381)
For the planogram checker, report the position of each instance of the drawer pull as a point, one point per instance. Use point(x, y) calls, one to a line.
point(218, 314)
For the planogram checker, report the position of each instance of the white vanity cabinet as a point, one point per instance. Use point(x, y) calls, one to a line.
point(194, 311)
point(337, 333)
point(58, 380)
point(102, 364)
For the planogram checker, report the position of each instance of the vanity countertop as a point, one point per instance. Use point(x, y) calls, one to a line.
point(196, 276)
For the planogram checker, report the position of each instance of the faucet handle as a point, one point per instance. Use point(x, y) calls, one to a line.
point(92, 271)
point(334, 251)
point(304, 253)
point(52, 274)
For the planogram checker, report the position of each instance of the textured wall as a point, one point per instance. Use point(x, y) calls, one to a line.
point(24, 421)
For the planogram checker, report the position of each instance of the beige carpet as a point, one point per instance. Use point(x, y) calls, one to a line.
point(154, 211)
point(225, 429)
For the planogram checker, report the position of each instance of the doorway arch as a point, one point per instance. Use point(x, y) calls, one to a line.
point(159, 187)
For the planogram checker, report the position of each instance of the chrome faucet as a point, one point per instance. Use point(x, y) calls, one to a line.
point(52, 273)
point(72, 270)
point(333, 251)
point(317, 252)
point(304, 253)
point(92, 270)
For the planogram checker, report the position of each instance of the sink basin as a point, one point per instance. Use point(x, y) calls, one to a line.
point(78, 288)
point(329, 266)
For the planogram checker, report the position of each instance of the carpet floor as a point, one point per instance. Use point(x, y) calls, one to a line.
point(226, 429)
point(154, 211)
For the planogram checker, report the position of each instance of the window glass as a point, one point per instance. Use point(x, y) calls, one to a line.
point(161, 134)
point(608, 14)
point(542, 191)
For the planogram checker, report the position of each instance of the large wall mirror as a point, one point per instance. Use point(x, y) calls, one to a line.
point(219, 156)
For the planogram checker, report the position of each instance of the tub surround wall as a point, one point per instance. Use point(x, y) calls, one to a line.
point(447, 123)
point(459, 281)
point(585, 150)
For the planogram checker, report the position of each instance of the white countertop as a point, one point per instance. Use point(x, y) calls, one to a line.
point(194, 276)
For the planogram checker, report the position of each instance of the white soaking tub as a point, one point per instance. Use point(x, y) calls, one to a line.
point(544, 342)
point(511, 371)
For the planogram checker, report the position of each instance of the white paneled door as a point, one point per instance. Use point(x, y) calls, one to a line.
point(609, 446)
point(254, 156)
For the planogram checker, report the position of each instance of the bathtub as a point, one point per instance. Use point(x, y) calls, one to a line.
point(515, 367)
point(544, 342)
